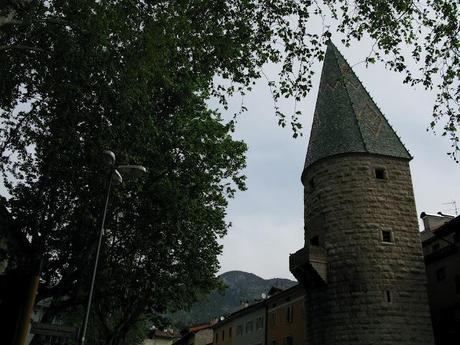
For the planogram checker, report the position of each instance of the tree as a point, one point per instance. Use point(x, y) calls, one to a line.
point(78, 77)
point(234, 39)
point(140, 99)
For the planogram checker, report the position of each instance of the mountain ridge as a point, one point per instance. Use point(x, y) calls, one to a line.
point(240, 287)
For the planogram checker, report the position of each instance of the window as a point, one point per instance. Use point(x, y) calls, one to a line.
point(259, 322)
point(435, 247)
point(311, 184)
point(388, 297)
point(387, 236)
point(441, 274)
point(314, 241)
point(273, 319)
point(457, 284)
point(288, 340)
point(249, 326)
point(273, 341)
point(223, 334)
point(217, 337)
point(289, 313)
point(239, 330)
point(380, 174)
point(230, 332)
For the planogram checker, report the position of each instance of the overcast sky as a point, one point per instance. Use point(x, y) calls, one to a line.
point(268, 218)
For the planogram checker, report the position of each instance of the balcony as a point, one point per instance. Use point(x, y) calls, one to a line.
point(311, 268)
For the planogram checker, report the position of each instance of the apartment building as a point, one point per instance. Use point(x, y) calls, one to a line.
point(286, 317)
point(441, 244)
point(243, 327)
point(276, 320)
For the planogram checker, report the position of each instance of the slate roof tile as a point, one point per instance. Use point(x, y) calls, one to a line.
point(346, 119)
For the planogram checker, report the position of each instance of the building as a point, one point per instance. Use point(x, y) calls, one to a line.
point(157, 337)
point(224, 332)
point(276, 320)
point(286, 317)
point(441, 244)
point(243, 327)
point(15, 279)
point(196, 335)
point(361, 265)
point(4, 224)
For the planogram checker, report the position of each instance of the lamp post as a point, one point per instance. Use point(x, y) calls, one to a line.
point(115, 177)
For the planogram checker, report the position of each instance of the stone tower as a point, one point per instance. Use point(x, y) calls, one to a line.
point(362, 263)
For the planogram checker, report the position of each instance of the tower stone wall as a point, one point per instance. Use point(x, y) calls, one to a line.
point(375, 291)
point(362, 264)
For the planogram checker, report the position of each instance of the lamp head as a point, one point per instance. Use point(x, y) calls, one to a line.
point(117, 179)
point(108, 158)
point(132, 170)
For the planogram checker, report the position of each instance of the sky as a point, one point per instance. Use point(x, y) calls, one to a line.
point(267, 219)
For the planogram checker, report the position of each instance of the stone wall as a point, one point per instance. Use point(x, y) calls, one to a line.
point(376, 291)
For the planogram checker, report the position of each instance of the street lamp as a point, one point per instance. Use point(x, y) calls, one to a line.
point(115, 177)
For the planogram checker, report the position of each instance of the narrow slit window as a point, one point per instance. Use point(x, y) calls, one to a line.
point(441, 274)
point(380, 174)
point(388, 296)
point(311, 184)
point(289, 314)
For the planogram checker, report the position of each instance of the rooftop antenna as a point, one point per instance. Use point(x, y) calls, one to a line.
point(454, 204)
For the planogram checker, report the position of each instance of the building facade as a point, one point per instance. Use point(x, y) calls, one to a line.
point(224, 333)
point(361, 265)
point(158, 337)
point(441, 249)
point(197, 335)
point(243, 327)
point(276, 320)
point(286, 317)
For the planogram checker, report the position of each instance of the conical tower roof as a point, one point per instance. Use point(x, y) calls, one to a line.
point(346, 119)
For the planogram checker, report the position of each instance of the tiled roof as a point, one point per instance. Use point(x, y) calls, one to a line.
point(346, 119)
point(247, 309)
point(165, 334)
point(448, 227)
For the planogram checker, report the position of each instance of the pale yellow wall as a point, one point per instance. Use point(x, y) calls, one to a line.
point(158, 341)
point(202, 337)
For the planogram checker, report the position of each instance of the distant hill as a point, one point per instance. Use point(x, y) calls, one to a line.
point(241, 286)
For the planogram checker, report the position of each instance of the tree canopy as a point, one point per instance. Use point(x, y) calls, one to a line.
point(78, 77)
